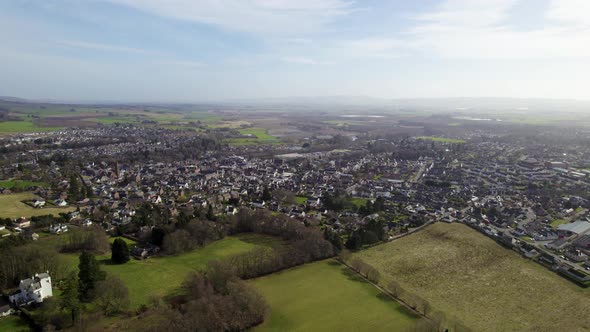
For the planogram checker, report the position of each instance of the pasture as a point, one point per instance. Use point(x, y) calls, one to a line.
point(327, 296)
point(11, 206)
point(488, 287)
point(441, 139)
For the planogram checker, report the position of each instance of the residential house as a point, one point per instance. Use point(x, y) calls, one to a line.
point(32, 290)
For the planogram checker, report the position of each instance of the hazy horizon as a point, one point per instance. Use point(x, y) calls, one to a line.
point(227, 50)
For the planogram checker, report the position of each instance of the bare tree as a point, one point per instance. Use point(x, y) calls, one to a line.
point(112, 296)
point(395, 289)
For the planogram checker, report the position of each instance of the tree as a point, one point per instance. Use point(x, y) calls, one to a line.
point(354, 242)
point(74, 190)
point(89, 275)
point(210, 213)
point(266, 194)
point(112, 296)
point(158, 235)
point(70, 297)
point(120, 252)
point(395, 289)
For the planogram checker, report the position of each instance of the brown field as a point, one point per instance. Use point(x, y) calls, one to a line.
point(488, 287)
point(67, 121)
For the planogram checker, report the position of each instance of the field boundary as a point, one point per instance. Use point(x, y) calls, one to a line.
point(384, 291)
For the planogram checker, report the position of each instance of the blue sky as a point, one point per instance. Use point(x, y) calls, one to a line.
point(204, 50)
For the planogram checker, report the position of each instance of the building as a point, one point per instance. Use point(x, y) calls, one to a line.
point(577, 228)
point(32, 290)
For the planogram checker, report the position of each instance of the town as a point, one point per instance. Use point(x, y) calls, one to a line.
point(361, 184)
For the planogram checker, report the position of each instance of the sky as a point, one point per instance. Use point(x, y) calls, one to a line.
point(214, 50)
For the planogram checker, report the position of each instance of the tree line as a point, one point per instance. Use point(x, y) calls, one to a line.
point(433, 320)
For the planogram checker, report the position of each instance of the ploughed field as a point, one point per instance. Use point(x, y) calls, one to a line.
point(327, 296)
point(486, 286)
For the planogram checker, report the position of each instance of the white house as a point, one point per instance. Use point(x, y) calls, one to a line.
point(38, 203)
point(58, 229)
point(60, 202)
point(32, 290)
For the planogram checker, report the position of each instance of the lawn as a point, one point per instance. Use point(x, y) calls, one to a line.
point(558, 222)
point(161, 276)
point(359, 201)
point(441, 139)
point(326, 296)
point(11, 206)
point(13, 324)
point(488, 287)
point(20, 184)
point(300, 199)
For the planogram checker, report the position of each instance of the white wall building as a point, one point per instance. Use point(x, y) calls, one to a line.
point(34, 289)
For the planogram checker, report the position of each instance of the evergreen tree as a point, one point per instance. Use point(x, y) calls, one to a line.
point(354, 242)
point(210, 214)
point(120, 252)
point(158, 236)
point(266, 194)
point(74, 190)
point(70, 297)
point(89, 275)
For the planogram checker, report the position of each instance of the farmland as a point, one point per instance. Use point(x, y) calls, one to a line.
point(11, 206)
point(45, 117)
point(441, 139)
point(326, 296)
point(488, 287)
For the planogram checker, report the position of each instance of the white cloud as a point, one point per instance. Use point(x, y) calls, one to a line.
point(262, 17)
point(102, 47)
point(181, 63)
point(479, 29)
point(304, 60)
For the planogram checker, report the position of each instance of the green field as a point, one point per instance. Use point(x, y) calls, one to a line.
point(326, 296)
point(259, 136)
point(558, 222)
point(300, 199)
point(22, 127)
point(47, 117)
point(20, 184)
point(440, 139)
point(11, 206)
point(359, 201)
point(161, 276)
point(488, 287)
point(13, 324)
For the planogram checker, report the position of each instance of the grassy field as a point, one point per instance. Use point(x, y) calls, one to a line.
point(489, 288)
point(441, 139)
point(258, 136)
point(300, 199)
point(13, 324)
point(359, 201)
point(160, 276)
point(326, 296)
point(25, 126)
point(11, 206)
point(163, 275)
point(558, 222)
point(44, 117)
point(20, 184)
